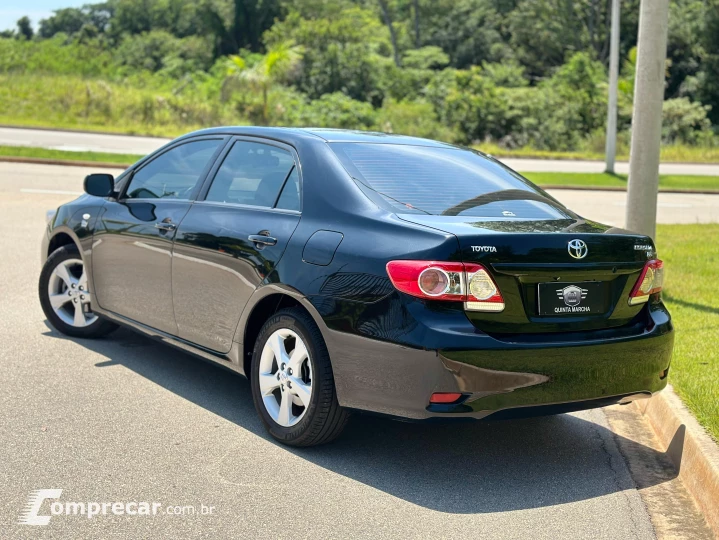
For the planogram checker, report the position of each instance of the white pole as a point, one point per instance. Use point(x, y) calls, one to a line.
point(611, 137)
point(647, 117)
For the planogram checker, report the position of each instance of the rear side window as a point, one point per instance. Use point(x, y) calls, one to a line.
point(445, 181)
point(173, 174)
point(251, 173)
point(290, 196)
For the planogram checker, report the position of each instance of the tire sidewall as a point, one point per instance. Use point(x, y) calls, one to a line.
point(59, 255)
point(291, 322)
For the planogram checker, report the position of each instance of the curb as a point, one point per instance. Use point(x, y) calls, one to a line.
point(694, 454)
point(65, 162)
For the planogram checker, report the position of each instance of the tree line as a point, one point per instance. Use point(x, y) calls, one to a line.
point(516, 72)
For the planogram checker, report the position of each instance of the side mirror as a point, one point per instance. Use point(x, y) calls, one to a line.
point(100, 185)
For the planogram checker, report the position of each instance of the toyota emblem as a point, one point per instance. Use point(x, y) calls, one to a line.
point(577, 249)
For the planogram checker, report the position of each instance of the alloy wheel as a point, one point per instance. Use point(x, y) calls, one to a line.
point(69, 295)
point(285, 377)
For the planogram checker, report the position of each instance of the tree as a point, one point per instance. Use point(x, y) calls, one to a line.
point(415, 11)
point(392, 34)
point(469, 31)
point(68, 21)
point(24, 28)
point(346, 51)
point(260, 74)
point(708, 78)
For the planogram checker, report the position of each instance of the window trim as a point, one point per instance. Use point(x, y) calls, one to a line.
point(248, 207)
point(122, 196)
point(219, 160)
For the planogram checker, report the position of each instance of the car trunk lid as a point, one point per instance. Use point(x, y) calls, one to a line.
point(556, 275)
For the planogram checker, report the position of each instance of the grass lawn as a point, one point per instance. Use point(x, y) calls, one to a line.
point(100, 157)
point(620, 180)
point(670, 153)
point(691, 291)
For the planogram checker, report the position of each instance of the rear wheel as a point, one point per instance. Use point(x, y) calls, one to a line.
point(65, 296)
point(292, 382)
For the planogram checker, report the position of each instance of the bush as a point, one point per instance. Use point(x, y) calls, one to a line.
point(161, 51)
point(415, 118)
point(334, 110)
point(684, 121)
point(59, 55)
point(468, 103)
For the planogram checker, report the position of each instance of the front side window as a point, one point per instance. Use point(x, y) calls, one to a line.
point(253, 174)
point(175, 173)
point(445, 181)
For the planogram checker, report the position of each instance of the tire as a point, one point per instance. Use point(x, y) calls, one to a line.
point(63, 278)
point(313, 420)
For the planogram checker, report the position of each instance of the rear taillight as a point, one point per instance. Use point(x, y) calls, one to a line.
point(449, 281)
point(445, 397)
point(649, 282)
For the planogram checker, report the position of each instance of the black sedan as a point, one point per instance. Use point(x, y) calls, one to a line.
point(343, 270)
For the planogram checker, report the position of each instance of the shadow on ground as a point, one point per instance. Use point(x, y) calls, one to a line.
point(459, 467)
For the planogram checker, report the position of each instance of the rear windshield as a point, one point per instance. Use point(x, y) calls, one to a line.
point(445, 181)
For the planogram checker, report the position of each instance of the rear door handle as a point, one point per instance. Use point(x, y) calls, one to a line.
point(166, 225)
point(262, 239)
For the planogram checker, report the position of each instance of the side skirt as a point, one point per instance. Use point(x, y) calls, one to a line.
point(230, 360)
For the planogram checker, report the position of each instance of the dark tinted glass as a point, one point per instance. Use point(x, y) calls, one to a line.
point(252, 173)
point(174, 174)
point(290, 196)
point(445, 181)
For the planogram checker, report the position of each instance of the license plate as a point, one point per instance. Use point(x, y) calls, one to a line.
point(567, 299)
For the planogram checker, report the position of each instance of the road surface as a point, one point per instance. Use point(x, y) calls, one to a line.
point(127, 144)
point(124, 419)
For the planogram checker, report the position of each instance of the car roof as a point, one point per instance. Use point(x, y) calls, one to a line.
point(326, 134)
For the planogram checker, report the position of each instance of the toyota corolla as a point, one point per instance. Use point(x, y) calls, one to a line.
point(347, 271)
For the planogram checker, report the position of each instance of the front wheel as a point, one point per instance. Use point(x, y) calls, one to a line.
point(65, 296)
point(292, 382)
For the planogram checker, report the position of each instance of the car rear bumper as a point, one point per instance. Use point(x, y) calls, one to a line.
point(500, 378)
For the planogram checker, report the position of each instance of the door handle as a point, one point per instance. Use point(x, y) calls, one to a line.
point(165, 225)
point(262, 239)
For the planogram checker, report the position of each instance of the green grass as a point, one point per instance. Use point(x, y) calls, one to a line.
point(141, 107)
point(669, 154)
point(63, 155)
point(148, 106)
point(691, 292)
point(620, 180)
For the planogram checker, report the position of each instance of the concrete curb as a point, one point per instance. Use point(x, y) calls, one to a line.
point(693, 452)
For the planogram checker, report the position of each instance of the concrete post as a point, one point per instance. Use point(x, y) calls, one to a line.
point(647, 117)
point(611, 136)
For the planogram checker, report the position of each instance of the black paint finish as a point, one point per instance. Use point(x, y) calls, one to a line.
point(199, 284)
point(320, 248)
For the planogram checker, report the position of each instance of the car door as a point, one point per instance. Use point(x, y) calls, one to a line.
point(232, 237)
point(132, 244)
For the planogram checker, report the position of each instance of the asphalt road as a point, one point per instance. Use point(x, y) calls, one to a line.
point(124, 419)
point(126, 144)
